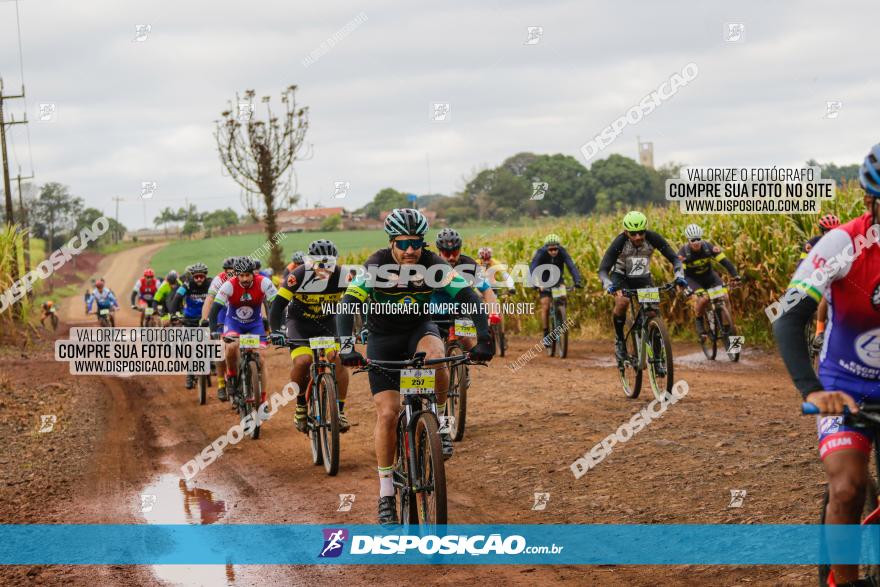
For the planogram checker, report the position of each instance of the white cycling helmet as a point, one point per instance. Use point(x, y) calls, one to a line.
point(693, 231)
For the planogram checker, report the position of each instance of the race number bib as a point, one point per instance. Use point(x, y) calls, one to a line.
point(638, 266)
point(322, 342)
point(649, 295)
point(104, 311)
point(148, 311)
point(417, 381)
point(558, 292)
point(147, 297)
point(465, 327)
point(249, 341)
point(717, 292)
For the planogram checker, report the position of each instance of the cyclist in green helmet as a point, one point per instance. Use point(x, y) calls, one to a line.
point(552, 253)
point(626, 265)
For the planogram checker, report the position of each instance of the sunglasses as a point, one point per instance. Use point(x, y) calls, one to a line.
point(199, 277)
point(449, 252)
point(415, 243)
point(552, 249)
point(636, 232)
point(695, 240)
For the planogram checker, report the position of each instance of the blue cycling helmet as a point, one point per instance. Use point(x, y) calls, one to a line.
point(869, 172)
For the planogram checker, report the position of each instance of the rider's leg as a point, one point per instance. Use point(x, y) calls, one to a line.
point(341, 380)
point(847, 472)
point(618, 315)
point(433, 348)
point(821, 316)
point(700, 305)
point(545, 313)
point(232, 358)
point(387, 408)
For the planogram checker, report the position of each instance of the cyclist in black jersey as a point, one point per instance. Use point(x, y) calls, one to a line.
point(399, 278)
point(697, 256)
point(307, 298)
point(626, 265)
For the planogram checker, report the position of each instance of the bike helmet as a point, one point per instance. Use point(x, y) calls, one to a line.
point(552, 239)
point(869, 172)
point(485, 253)
point(635, 221)
point(828, 222)
point(448, 240)
point(323, 248)
point(406, 222)
point(171, 277)
point(149, 272)
point(228, 262)
point(197, 268)
point(245, 265)
point(258, 264)
point(99, 282)
point(297, 258)
point(693, 232)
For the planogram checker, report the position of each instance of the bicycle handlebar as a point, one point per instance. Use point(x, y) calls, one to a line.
point(417, 361)
point(867, 412)
point(661, 288)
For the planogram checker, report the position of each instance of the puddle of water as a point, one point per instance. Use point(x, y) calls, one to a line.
point(169, 501)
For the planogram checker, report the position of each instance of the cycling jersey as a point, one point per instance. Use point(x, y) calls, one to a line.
point(561, 261)
point(844, 268)
point(163, 292)
point(193, 296)
point(630, 261)
point(497, 274)
point(244, 305)
point(440, 297)
point(699, 262)
point(307, 298)
point(216, 283)
point(146, 288)
point(103, 298)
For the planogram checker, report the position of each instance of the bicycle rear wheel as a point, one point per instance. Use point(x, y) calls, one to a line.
point(659, 355)
point(551, 322)
point(203, 389)
point(870, 505)
point(429, 475)
point(329, 423)
point(630, 369)
point(254, 396)
point(313, 420)
point(456, 399)
point(562, 334)
point(709, 342)
point(54, 319)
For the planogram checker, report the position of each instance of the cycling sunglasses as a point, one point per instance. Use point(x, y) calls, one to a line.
point(695, 240)
point(552, 249)
point(449, 252)
point(415, 243)
point(636, 232)
point(200, 276)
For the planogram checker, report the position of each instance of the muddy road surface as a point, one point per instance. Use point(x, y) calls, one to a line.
point(738, 428)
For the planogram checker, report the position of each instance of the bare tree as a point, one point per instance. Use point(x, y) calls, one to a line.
point(257, 154)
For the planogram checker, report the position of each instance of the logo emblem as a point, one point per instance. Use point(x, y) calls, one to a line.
point(830, 425)
point(334, 539)
point(867, 347)
point(875, 298)
point(244, 313)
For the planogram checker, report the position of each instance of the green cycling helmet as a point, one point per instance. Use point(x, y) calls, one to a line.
point(552, 239)
point(634, 221)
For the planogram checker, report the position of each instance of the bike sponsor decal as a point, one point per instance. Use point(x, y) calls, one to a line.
point(829, 425)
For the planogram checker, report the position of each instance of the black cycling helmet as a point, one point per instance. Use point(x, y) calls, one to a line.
point(198, 268)
point(323, 248)
point(229, 262)
point(245, 265)
point(448, 240)
point(297, 258)
point(406, 222)
point(171, 277)
point(258, 264)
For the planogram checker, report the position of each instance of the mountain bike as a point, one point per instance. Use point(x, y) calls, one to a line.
point(558, 343)
point(53, 319)
point(869, 417)
point(248, 396)
point(149, 319)
point(647, 344)
point(419, 475)
point(497, 330)
point(459, 374)
point(202, 380)
point(814, 342)
point(718, 323)
point(322, 396)
point(105, 320)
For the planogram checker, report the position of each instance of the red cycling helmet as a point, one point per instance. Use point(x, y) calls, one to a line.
point(829, 221)
point(485, 253)
point(99, 283)
point(149, 273)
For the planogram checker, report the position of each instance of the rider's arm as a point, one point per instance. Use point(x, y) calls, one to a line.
point(357, 292)
point(279, 305)
point(176, 300)
point(659, 243)
point(89, 299)
point(572, 268)
point(134, 294)
point(219, 301)
point(610, 258)
point(789, 332)
point(533, 265)
point(722, 259)
point(458, 289)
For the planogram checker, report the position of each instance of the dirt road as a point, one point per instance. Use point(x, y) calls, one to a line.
point(737, 429)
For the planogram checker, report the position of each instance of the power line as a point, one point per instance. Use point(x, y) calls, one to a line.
point(26, 105)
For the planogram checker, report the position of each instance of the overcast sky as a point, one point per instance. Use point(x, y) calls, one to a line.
point(128, 111)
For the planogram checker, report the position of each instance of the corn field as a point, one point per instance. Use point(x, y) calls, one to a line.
point(764, 248)
point(8, 237)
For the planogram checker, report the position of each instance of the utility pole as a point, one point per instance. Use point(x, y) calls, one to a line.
point(116, 199)
point(7, 188)
point(25, 224)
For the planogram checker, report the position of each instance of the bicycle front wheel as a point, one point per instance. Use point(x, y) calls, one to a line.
point(659, 354)
point(429, 475)
point(254, 396)
point(869, 506)
point(562, 334)
point(630, 368)
point(709, 342)
point(551, 322)
point(456, 399)
point(328, 411)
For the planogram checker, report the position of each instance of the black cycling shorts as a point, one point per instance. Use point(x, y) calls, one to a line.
point(703, 282)
point(302, 329)
point(621, 281)
point(399, 346)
